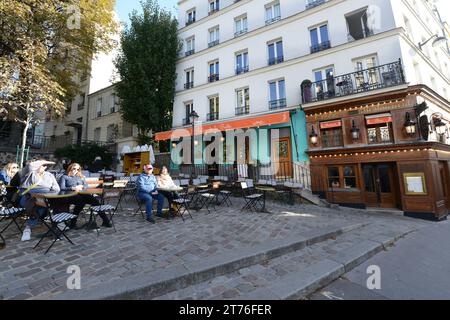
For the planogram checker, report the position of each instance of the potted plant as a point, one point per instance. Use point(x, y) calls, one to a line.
point(306, 90)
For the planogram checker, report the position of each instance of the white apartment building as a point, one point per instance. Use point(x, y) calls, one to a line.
point(246, 59)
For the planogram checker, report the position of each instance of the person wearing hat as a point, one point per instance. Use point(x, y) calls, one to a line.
point(147, 192)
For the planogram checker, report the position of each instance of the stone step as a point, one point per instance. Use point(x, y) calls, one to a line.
point(158, 283)
point(298, 273)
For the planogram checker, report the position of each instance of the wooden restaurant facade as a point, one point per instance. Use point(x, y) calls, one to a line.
point(389, 150)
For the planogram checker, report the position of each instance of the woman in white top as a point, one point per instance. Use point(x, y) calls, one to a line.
point(165, 181)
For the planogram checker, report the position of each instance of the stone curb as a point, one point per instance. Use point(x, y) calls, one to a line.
point(160, 282)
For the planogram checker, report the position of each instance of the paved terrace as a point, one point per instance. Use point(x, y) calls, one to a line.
point(139, 249)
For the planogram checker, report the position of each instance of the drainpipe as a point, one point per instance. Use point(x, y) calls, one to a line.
point(295, 134)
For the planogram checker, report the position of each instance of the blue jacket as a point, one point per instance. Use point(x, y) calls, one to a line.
point(66, 182)
point(4, 177)
point(146, 183)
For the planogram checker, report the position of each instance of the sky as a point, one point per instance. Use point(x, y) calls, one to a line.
point(124, 7)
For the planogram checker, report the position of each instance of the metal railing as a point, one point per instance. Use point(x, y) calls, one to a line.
point(242, 110)
point(277, 104)
point(51, 143)
point(272, 20)
point(241, 70)
point(186, 121)
point(189, 52)
point(213, 43)
point(240, 32)
point(212, 116)
point(384, 76)
point(314, 3)
point(213, 77)
point(189, 85)
point(212, 11)
point(276, 60)
point(321, 46)
point(191, 21)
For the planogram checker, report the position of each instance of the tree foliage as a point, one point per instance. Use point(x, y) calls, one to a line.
point(44, 46)
point(146, 65)
point(85, 154)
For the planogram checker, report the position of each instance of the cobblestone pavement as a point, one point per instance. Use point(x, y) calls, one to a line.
point(139, 247)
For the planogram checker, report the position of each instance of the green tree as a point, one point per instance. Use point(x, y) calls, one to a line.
point(44, 46)
point(146, 66)
point(85, 154)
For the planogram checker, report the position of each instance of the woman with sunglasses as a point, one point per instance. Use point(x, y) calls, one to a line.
point(8, 172)
point(73, 180)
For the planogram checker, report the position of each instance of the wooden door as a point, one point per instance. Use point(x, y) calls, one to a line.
point(445, 180)
point(283, 166)
point(379, 184)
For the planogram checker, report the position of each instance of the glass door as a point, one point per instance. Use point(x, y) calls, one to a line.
point(379, 185)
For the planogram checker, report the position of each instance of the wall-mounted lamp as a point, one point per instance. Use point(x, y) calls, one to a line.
point(174, 145)
point(440, 126)
point(196, 142)
point(410, 126)
point(354, 131)
point(313, 137)
point(437, 42)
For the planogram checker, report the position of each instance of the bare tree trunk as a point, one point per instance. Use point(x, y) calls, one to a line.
point(24, 142)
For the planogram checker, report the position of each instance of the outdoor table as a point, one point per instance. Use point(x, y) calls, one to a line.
point(265, 189)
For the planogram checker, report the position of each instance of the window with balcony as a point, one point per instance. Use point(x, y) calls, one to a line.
point(188, 108)
point(190, 17)
point(190, 46)
point(314, 3)
point(241, 62)
point(99, 107)
point(242, 101)
point(189, 79)
point(213, 37)
point(379, 128)
point(319, 38)
point(213, 71)
point(213, 6)
point(275, 51)
point(213, 109)
point(324, 85)
point(367, 75)
point(358, 27)
point(277, 94)
point(240, 25)
point(273, 12)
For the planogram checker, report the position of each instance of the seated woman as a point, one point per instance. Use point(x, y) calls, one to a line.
point(8, 172)
point(35, 180)
point(165, 181)
point(73, 180)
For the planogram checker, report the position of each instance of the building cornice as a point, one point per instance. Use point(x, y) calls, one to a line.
point(301, 59)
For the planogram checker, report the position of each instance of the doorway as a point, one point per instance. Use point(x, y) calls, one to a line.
point(282, 149)
point(445, 180)
point(380, 181)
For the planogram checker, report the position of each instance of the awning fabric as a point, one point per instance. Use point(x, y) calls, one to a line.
point(379, 118)
point(225, 126)
point(331, 124)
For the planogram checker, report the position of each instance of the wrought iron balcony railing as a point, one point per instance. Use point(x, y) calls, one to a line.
point(212, 116)
point(212, 11)
point(240, 32)
point(213, 78)
point(213, 43)
point(186, 121)
point(241, 70)
point(242, 110)
point(190, 21)
point(276, 60)
point(277, 104)
point(189, 52)
point(314, 3)
point(272, 20)
point(189, 85)
point(384, 76)
point(321, 46)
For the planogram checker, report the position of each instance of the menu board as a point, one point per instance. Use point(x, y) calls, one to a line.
point(415, 183)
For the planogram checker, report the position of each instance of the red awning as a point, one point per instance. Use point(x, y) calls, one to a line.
point(225, 126)
point(331, 124)
point(379, 118)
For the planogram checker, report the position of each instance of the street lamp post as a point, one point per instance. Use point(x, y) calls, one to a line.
point(437, 42)
point(193, 116)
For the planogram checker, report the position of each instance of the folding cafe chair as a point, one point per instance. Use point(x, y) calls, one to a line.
point(13, 214)
point(107, 208)
point(251, 199)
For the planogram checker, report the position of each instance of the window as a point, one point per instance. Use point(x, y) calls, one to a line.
point(69, 107)
point(213, 6)
point(417, 71)
point(213, 36)
point(273, 12)
point(97, 133)
point(379, 128)
point(189, 79)
point(190, 46)
point(371, 77)
point(275, 52)
point(433, 83)
point(324, 85)
point(319, 38)
point(188, 107)
point(331, 137)
point(408, 28)
point(241, 62)
point(190, 17)
point(111, 133)
point(213, 109)
point(342, 177)
point(213, 71)
point(99, 107)
point(277, 94)
point(240, 25)
point(358, 27)
point(82, 101)
point(242, 101)
point(437, 61)
point(113, 103)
